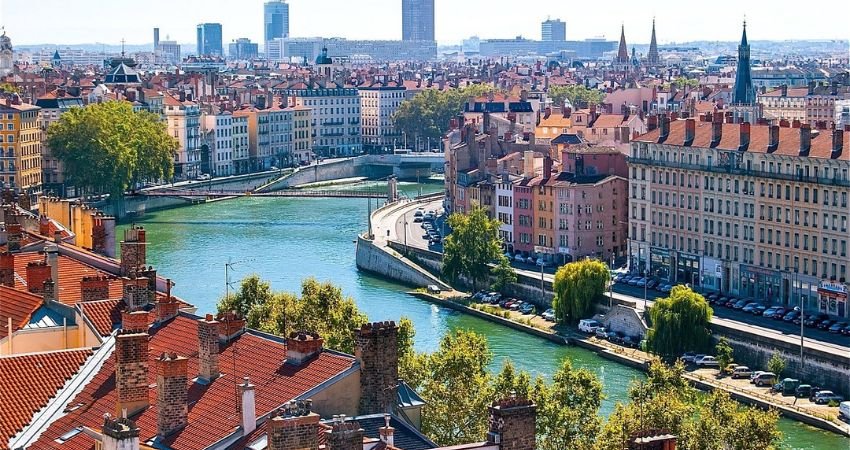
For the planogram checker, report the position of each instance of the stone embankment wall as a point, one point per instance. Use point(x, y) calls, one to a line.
point(317, 174)
point(386, 262)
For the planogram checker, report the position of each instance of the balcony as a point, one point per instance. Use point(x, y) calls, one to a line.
point(335, 122)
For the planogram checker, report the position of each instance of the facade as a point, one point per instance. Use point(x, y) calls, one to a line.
point(183, 120)
point(753, 210)
point(378, 103)
point(417, 20)
point(281, 139)
point(335, 117)
point(553, 30)
point(308, 49)
point(6, 63)
point(505, 211)
point(242, 49)
point(20, 139)
point(239, 132)
point(168, 53)
point(210, 40)
point(275, 22)
point(218, 131)
point(302, 135)
point(53, 106)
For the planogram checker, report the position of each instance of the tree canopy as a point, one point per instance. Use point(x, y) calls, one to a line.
point(576, 286)
point(473, 243)
point(428, 113)
point(578, 95)
point(106, 147)
point(320, 308)
point(679, 323)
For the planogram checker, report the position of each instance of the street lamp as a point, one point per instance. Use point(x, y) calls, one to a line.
point(406, 250)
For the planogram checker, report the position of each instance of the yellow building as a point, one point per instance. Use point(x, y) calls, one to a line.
point(20, 146)
point(302, 134)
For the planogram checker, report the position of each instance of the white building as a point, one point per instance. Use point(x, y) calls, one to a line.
point(239, 135)
point(378, 102)
point(219, 137)
point(183, 121)
point(336, 117)
point(505, 211)
point(279, 152)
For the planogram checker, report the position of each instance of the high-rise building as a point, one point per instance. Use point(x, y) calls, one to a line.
point(155, 38)
point(209, 40)
point(242, 49)
point(275, 20)
point(553, 30)
point(417, 20)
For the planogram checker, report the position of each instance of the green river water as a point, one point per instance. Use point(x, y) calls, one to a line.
point(285, 240)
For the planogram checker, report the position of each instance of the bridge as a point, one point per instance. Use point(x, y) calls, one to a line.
point(289, 193)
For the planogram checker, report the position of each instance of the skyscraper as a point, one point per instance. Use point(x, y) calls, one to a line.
point(553, 30)
point(209, 39)
point(155, 38)
point(417, 20)
point(275, 20)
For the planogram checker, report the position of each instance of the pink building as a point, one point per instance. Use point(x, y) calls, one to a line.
point(523, 216)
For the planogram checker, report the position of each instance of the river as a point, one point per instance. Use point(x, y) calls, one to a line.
point(285, 240)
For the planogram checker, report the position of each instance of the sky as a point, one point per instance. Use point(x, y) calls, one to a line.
point(102, 21)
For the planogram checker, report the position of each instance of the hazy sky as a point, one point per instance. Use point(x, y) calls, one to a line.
point(89, 21)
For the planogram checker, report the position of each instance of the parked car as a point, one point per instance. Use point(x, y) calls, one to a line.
point(837, 327)
point(825, 324)
point(518, 258)
point(740, 304)
point(759, 310)
point(824, 397)
point(846, 331)
point(615, 337)
point(542, 263)
point(631, 341)
point(803, 391)
point(651, 283)
point(588, 325)
point(549, 315)
point(791, 316)
point(765, 379)
point(787, 386)
point(769, 311)
point(667, 288)
point(712, 298)
point(203, 177)
point(731, 301)
point(707, 361)
point(730, 368)
point(515, 306)
point(741, 372)
point(755, 374)
point(779, 313)
point(812, 320)
point(634, 281)
point(479, 295)
point(688, 357)
point(601, 333)
point(526, 308)
point(844, 411)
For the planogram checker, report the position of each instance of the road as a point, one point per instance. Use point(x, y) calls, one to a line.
point(414, 234)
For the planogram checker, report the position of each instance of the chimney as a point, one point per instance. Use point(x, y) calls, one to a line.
point(651, 122)
point(773, 138)
point(48, 291)
point(43, 225)
point(94, 288)
point(664, 127)
point(690, 131)
point(136, 293)
point(302, 346)
point(37, 273)
point(784, 123)
point(512, 424)
point(805, 139)
point(135, 322)
point(133, 250)
point(745, 137)
point(294, 427)
point(119, 434)
point(730, 117)
point(547, 167)
point(232, 325)
point(52, 252)
point(784, 90)
point(167, 307)
point(103, 234)
point(795, 123)
point(376, 351)
point(716, 130)
point(171, 394)
point(208, 369)
point(385, 433)
point(7, 269)
point(837, 143)
point(131, 371)
point(344, 436)
point(14, 234)
point(248, 406)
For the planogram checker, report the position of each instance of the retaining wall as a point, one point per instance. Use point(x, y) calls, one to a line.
point(388, 263)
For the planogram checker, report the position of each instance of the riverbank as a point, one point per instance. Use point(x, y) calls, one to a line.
point(704, 379)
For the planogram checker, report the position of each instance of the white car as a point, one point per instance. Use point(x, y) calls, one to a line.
point(589, 325)
point(707, 361)
point(519, 258)
point(549, 315)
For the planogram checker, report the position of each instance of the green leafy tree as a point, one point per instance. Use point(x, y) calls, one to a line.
point(252, 291)
point(427, 114)
point(105, 147)
point(723, 353)
point(683, 82)
point(504, 274)
point(578, 95)
point(568, 412)
point(680, 323)
point(776, 364)
point(9, 88)
point(576, 286)
point(473, 243)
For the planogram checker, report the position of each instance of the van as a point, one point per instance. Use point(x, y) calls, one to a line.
point(588, 325)
point(844, 411)
point(765, 379)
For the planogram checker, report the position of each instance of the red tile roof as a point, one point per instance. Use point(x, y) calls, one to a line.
point(71, 272)
point(28, 382)
point(103, 314)
point(212, 412)
point(17, 305)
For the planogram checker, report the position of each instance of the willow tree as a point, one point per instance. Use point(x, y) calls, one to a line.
point(679, 323)
point(106, 147)
point(472, 245)
point(576, 286)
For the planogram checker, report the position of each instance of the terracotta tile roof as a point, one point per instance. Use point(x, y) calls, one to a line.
point(71, 272)
point(608, 121)
point(789, 139)
point(792, 92)
point(28, 382)
point(18, 306)
point(103, 314)
point(212, 412)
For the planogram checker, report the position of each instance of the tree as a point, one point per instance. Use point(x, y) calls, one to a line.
point(682, 82)
point(427, 114)
point(105, 147)
point(473, 243)
point(568, 411)
point(504, 274)
point(578, 95)
point(9, 88)
point(723, 352)
point(679, 323)
point(776, 364)
point(576, 286)
point(252, 291)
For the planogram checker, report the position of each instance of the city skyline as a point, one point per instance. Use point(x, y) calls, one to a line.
point(453, 22)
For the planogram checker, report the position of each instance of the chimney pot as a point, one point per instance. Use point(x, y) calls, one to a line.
point(302, 346)
point(248, 408)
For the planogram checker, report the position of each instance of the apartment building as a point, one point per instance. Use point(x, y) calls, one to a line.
point(52, 106)
point(183, 122)
point(302, 134)
point(335, 119)
point(218, 131)
point(753, 210)
point(240, 146)
point(20, 146)
point(378, 102)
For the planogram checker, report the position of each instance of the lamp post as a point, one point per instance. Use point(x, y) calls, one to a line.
point(406, 250)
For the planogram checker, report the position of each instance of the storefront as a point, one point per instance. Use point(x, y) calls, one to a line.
point(711, 277)
point(660, 262)
point(832, 298)
point(687, 269)
point(760, 283)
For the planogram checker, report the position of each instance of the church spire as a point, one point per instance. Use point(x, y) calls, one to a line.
point(623, 51)
point(652, 57)
point(744, 92)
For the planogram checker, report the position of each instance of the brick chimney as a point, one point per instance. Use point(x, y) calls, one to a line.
point(14, 234)
point(302, 346)
point(784, 123)
point(512, 424)
point(248, 406)
point(805, 139)
point(171, 394)
point(37, 273)
point(690, 131)
point(745, 136)
point(232, 325)
point(133, 250)
point(48, 291)
point(385, 433)
point(131, 372)
point(7, 269)
point(119, 434)
point(167, 307)
point(664, 126)
point(344, 436)
point(773, 138)
point(208, 369)
point(377, 352)
point(136, 293)
point(135, 322)
point(547, 167)
point(43, 225)
point(730, 117)
point(716, 129)
point(651, 123)
point(837, 145)
point(94, 288)
point(796, 123)
point(294, 427)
